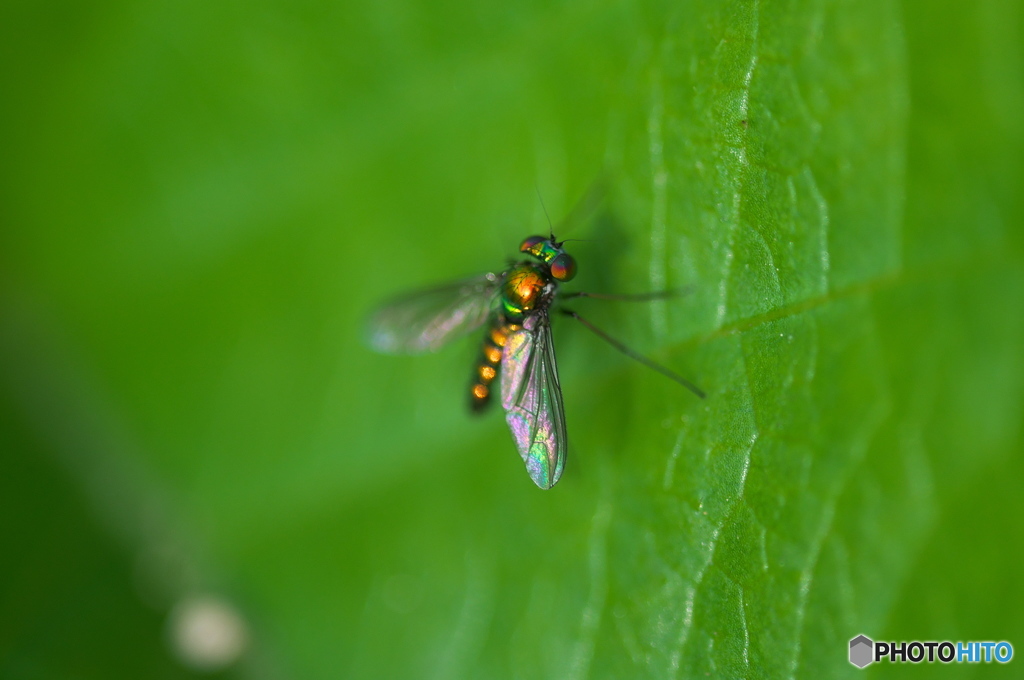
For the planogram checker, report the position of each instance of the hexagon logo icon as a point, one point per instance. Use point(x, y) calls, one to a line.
point(861, 648)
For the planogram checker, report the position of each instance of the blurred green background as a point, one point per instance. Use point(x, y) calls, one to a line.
point(205, 472)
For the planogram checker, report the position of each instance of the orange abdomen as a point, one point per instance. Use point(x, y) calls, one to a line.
point(489, 363)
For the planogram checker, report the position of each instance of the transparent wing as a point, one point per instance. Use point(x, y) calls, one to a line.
point(532, 399)
point(425, 320)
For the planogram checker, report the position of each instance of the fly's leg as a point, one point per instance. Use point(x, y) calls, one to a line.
point(671, 375)
point(638, 297)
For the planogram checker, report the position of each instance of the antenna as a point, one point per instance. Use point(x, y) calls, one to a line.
point(551, 228)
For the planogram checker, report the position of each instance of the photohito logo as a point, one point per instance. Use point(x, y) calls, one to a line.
point(864, 650)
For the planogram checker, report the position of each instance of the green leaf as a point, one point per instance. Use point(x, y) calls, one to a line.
point(204, 201)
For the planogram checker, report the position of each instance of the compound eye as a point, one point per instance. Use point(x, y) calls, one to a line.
point(563, 267)
point(531, 244)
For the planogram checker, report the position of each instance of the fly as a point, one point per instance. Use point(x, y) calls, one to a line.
point(517, 350)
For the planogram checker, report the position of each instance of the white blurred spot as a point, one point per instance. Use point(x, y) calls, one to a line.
point(207, 633)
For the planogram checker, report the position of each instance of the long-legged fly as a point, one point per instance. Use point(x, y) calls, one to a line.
point(517, 350)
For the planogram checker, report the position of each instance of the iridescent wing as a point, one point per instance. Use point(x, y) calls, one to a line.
point(425, 320)
point(532, 399)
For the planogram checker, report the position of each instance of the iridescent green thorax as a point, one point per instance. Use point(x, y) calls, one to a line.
point(523, 286)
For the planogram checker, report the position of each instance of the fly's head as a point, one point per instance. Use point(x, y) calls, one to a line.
point(561, 264)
